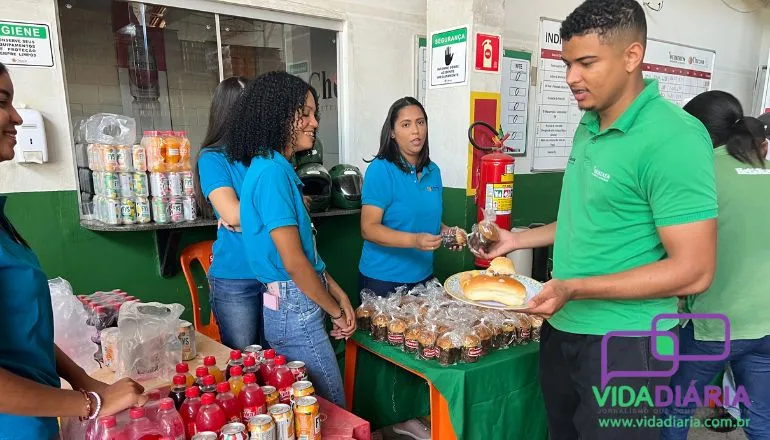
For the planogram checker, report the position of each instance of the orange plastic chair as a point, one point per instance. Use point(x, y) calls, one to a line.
point(203, 253)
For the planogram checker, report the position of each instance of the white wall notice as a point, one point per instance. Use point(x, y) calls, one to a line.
point(514, 99)
point(449, 57)
point(25, 44)
point(682, 72)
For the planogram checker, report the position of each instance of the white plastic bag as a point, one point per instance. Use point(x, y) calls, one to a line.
point(149, 345)
point(111, 129)
point(71, 333)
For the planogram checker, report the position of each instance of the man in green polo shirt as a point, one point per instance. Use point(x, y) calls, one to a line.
point(635, 227)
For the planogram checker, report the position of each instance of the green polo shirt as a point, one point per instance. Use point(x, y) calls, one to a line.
point(654, 167)
point(741, 286)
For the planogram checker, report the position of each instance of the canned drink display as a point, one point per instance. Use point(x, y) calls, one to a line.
point(187, 337)
point(127, 211)
point(109, 158)
point(188, 183)
point(262, 427)
point(190, 208)
point(205, 435)
point(284, 421)
point(110, 210)
point(271, 395)
point(175, 184)
point(126, 183)
point(298, 370)
point(139, 184)
point(143, 210)
point(111, 184)
point(307, 418)
point(139, 158)
point(234, 431)
point(160, 210)
point(176, 209)
point(125, 158)
point(300, 389)
point(159, 185)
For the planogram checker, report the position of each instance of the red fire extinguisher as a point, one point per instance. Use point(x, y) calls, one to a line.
point(494, 188)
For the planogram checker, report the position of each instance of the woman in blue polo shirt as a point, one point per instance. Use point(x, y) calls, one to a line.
point(274, 119)
point(235, 294)
point(402, 204)
point(30, 362)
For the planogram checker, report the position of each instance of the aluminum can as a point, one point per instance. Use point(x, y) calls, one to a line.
point(143, 210)
point(298, 370)
point(175, 184)
point(160, 210)
point(139, 184)
point(234, 431)
point(159, 185)
point(187, 337)
point(125, 158)
point(308, 418)
point(126, 183)
point(190, 208)
point(176, 209)
point(262, 427)
point(111, 185)
point(205, 435)
point(127, 211)
point(188, 183)
point(271, 395)
point(284, 421)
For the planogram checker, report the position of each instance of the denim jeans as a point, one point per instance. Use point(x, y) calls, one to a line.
point(384, 288)
point(750, 362)
point(237, 306)
point(297, 330)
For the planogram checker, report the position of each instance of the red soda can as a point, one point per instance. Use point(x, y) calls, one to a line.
point(234, 431)
point(298, 369)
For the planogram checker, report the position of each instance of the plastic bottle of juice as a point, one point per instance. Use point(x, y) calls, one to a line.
point(189, 410)
point(211, 363)
point(229, 404)
point(209, 385)
point(210, 416)
point(184, 150)
point(282, 379)
point(236, 359)
point(140, 427)
point(250, 366)
point(266, 368)
point(183, 368)
point(152, 405)
point(236, 380)
point(177, 391)
point(169, 421)
point(171, 154)
point(153, 143)
point(200, 374)
point(252, 398)
point(108, 429)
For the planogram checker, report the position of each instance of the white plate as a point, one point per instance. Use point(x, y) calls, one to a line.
point(452, 286)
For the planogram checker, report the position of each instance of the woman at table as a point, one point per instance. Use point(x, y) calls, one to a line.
point(402, 204)
point(740, 287)
point(275, 118)
point(30, 363)
point(235, 294)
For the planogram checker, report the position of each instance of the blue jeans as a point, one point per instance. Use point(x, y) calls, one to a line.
point(297, 330)
point(750, 362)
point(237, 306)
point(384, 288)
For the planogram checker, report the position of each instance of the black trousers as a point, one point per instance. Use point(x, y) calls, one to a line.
point(570, 366)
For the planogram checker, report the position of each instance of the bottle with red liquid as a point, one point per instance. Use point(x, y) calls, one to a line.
point(250, 366)
point(140, 427)
point(152, 405)
point(184, 369)
point(252, 398)
point(200, 373)
point(266, 368)
point(282, 379)
point(189, 410)
point(108, 429)
point(177, 391)
point(209, 385)
point(229, 404)
point(236, 359)
point(210, 416)
point(169, 420)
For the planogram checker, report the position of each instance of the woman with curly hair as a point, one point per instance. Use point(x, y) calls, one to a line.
point(274, 118)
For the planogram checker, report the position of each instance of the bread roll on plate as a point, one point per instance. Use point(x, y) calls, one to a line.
point(502, 289)
point(501, 266)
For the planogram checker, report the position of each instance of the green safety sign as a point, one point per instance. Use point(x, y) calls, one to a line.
point(25, 44)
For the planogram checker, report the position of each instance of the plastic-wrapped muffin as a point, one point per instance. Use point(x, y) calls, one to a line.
point(364, 317)
point(410, 338)
point(537, 323)
point(426, 344)
point(454, 238)
point(485, 335)
point(485, 234)
point(448, 346)
point(508, 335)
point(396, 330)
point(380, 327)
point(524, 330)
point(471, 349)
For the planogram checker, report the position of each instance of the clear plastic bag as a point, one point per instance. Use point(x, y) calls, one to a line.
point(72, 334)
point(484, 234)
point(110, 129)
point(149, 345)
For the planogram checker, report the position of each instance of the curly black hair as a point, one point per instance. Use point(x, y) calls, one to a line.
point(607, 18)
point(261, 121)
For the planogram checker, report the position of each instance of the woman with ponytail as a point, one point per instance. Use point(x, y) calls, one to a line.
point(740, 289)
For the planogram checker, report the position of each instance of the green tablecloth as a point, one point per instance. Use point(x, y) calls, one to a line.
point(498, 395)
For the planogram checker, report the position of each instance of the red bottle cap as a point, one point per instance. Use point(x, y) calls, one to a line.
point(201, 372)
point(269, 354)
point(236, 371)
point(101, 309)
point(223, 387)
point(136, 412)
point(108, 422)
point(207, 399)
point(166, 404)
point(182, 368)
point(209, 380)
point(235, 355)
point(179, 379)
point(209, 361)
point(249, 361)
point(192, 392)
point(280, 360)
point(250, 378)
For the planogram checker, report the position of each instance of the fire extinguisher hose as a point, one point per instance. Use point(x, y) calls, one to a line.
point(473, 141)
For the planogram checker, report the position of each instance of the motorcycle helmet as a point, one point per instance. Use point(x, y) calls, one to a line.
point(317, 184)
point(314, 155)
point(346, 186)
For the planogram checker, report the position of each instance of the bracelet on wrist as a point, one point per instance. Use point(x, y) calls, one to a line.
point(342, 313)
point(92, 411)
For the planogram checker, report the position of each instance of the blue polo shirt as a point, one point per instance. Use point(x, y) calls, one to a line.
point(216, 171)
point(409, 204)
point(272, 198)
point(26, 326)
